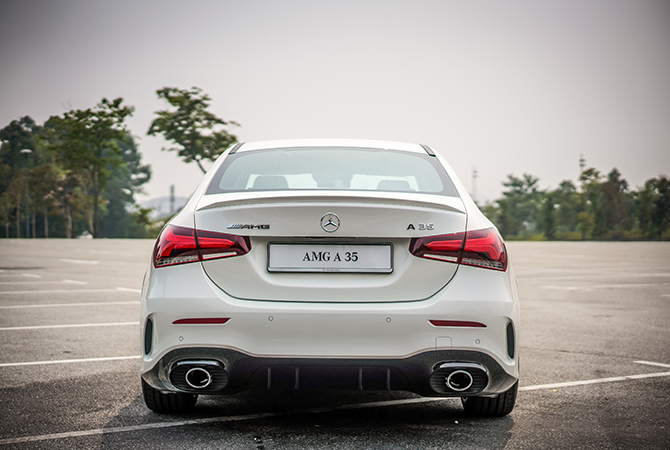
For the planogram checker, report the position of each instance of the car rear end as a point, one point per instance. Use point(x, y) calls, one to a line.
point(359, 265)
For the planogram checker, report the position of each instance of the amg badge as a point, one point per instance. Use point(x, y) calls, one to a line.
point(245, 226)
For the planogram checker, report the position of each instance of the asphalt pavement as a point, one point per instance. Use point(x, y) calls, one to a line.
point(595, 362)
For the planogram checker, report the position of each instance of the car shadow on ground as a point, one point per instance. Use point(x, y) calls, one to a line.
point(309, 419)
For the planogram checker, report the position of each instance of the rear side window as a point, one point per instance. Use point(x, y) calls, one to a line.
point(356, 169)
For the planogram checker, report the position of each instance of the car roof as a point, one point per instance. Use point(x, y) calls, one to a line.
point(330, 143)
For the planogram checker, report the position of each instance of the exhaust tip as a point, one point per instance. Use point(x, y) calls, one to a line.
point(459, 380)
point(198, 378)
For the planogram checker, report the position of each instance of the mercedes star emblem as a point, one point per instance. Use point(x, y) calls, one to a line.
point(330, 222)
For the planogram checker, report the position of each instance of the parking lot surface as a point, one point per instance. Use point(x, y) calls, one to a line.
point(595, 362)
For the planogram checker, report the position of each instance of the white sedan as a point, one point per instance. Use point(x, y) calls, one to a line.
point(330, 263)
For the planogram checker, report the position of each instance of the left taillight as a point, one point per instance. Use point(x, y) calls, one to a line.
point(479, 248)
point(181, 245)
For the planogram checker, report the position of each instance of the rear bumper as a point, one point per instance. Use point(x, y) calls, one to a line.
point(420, 373)
point(353, 345)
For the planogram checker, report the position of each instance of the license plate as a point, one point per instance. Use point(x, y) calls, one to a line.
point(340, 258)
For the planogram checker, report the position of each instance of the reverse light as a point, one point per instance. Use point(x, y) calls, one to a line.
point(479, 248)
point(180, 245)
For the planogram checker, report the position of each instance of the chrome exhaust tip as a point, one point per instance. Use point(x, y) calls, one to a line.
point(459, 380)
point(202, 375)
point(198, 378)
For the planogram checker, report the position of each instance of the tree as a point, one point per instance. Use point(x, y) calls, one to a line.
point(88, 141)
point(43, 182)
point(17, 135)
point(618, 204)
point(567, 199)
point(120, 219)
point(197, 133)
point(653, 207)
point(549, 217)
point(520, 205)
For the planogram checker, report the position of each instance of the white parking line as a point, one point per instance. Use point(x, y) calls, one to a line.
point(77, 325)
point(137, 291)
point(68, 361)
point(31, 275)
point(53, 305)
point(648, 363)
point(159, 425)
point(79, 261)
point(602, 286)
point(59, 291)
point(594, 381)
point(74, 282)
point(43, 282)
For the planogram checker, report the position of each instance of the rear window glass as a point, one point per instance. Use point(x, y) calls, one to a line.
point(356, 169)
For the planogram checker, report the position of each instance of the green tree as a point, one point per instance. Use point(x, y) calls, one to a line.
point(88, 141)
point(593, 218)
point(43, 183)
point(17, 135)
point(196, 133)
point(519, 208)
point(618, 204)
point(567, 199)
point(120, 219)
point(549, 217)
point(653, 207)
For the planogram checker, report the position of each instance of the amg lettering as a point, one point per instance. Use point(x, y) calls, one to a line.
point(317, 256)
point(245, 226)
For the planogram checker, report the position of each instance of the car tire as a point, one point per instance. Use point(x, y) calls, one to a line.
point(172, 403)
point(497, 406)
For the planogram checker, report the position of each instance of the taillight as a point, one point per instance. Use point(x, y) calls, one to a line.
point(480, 248)
point(175, 245)
point(485, 248)
point(218, 245)
point(180, 245)
point(447, 247)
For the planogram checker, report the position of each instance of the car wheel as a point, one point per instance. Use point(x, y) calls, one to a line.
point(497, 406)
point(167, 403)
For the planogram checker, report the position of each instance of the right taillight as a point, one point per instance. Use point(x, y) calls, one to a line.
point(180, 245)
point(485, 248)
point(479, 248)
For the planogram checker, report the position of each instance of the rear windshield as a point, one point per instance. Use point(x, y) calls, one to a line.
point(356, 169)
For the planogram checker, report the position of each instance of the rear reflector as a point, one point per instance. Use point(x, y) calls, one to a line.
point(180, 245)
point(456, 323)
point(203, 321)
point(480, 248)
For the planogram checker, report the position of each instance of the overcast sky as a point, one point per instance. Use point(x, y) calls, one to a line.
point(508, 86)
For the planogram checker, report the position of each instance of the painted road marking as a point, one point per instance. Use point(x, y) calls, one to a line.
point(78, 261)
point(77, 325)
point(648, 363)
point(159, 425)
point(43, 282)
point(60, 291)
point(53, 305)
point(137, 291)
point(594, 381)
point(68, 361)
point(31, 275)
point(602, 286)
